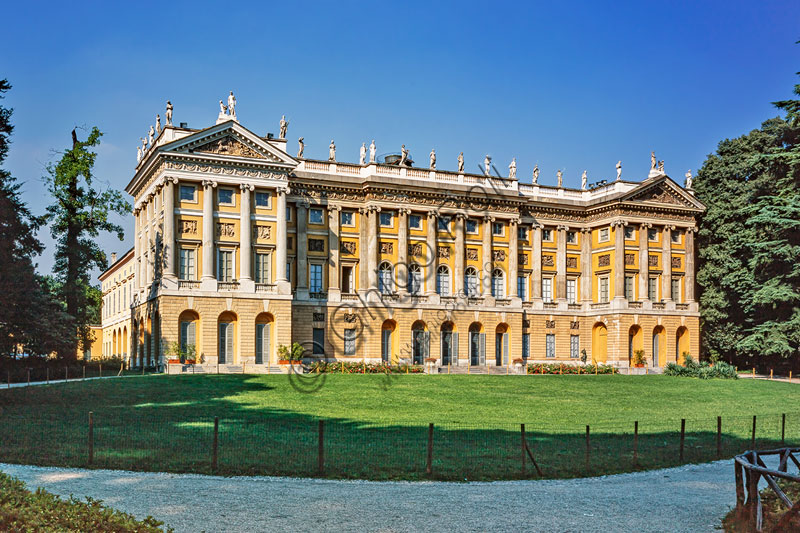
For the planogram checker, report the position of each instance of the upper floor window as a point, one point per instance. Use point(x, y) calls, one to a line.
point(262, 270)
point(315, 278)
point(385, 278)
point(415, 221)
point(262, 199)
point(547, 289)
point(472, 225)
point(629, 233)
point(186, 264)
point(522, 233)
point(572, 237)
point(572, 290)
point(676, 236)
point(288, 214)
point(414, 279)
point(629, 284)
point(315, 216)
point(522, 287)
point(386, 219)
point(497, 228)
point(603, 235)
point(498, 284)
point(225, 265)
point(547, 235)
point(444, 224)
point(346, 218)
point(443, 281)
point(225, 196)
point(652, 234)
point(603, 289)
point(471, 282)
point(188, 193)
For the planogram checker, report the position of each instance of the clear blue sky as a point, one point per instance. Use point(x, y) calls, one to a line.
point(570, 85)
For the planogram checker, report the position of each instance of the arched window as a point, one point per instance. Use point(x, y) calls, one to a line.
point(498, 284)
point(443, 281)
point(414, 279)
point(385, 278)
point(471, 282)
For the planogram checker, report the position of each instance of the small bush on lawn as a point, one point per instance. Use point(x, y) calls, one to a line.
point(558, 368)
point(23, 510)
point(345, 367)
point(701, 369)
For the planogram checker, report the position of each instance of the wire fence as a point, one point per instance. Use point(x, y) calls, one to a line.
point(291, 445)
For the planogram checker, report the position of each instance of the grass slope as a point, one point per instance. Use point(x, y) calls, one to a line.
point(376, 425)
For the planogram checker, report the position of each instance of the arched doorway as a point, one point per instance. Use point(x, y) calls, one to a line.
point(264, 336)
point(388, 349)
point(124, 343)
point(659, 344)
point(635, 341)
point(681, 343)
point(599, 343)
point(188, 324)
point(477, 344)
point(226, 335)
point(449, 344)
point(420, 342)
point(501, 345)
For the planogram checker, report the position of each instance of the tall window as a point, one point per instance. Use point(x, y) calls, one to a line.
point(444, 224)
point(574, 346)
point(547, 289)
point(629, 288)
point(225, 265)
point(187, 335)
point(629, 233)
point(603, 235)
point(414, 221)
point(497, 228)
point(262, 344)
point(262, 199)
point(522, 287)
point(225, 196)
point(346, 218)
point(603, 289)
point(498, 284)
point(550, 345)
point(472, 225)
point(652, 234)
point(572, 291)
point(350, 341)
point(225, 342)
point(414, 279)
point(386, 219)
point(676, 289)
point(318, 340)
point(547, 235)
point(676, 236)
point(471, 282)
point(187, 193)
point(572, 237)
point(443, 281)
point(652, 288)
point(315, 283)
point(262, 268)
point(186, 264)
point(385, 278)
point(522, 233)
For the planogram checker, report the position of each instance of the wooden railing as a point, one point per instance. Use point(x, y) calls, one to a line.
point(750, 469)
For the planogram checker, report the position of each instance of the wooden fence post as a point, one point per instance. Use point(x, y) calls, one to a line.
point(429, 466)
point(321, 448)
point(84, 372)
point(29, 377)
point(753, 440)
point(719, 437)
point(588, 448)
point(522, 436)
point(91, 438)
point(770, 374)
point(47, 371)
point(683, 434)
point(101, 370)
point(636, 444)
point(215, 448)
point(783, 429)
point(66, 373)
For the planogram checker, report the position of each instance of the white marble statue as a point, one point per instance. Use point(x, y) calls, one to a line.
point(158, 123)
point(536, 174)
point(583, 181)
point(487, 165)
point(362, 156)
point(301, 147)
point(150, 135)
point(661, 166)
point(138, 154)
point(619, 170)
point(332, 151)
point(403, 155)
point(144, 146)
point(688, 184)
point(560, 176)
point(372, 150)
point(232, 105)
point(222, 109)
point(512, 169)
point(284, 126)
point(168, 114)
point(653, 161)
point(433, 159)
point(461, 162)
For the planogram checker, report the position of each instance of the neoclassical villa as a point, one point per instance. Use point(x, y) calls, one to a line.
point(241, 247)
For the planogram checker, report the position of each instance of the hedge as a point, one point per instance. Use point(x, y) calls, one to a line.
point(344, 367)
point(560, 368)
point(702, 370)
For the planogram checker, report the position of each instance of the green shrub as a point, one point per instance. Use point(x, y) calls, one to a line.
point(352, 367)
point(23, 510)
point(560, 368)
point(702, 370)
point(296, 353)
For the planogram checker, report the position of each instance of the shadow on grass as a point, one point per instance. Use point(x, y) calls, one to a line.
point(173, 431)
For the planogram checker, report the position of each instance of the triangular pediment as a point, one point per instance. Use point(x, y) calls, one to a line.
point(663, 191)
point(228, 145)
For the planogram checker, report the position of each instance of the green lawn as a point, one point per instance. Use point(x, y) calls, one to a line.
point(376, 425)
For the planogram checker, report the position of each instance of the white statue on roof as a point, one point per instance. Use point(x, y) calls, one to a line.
point(158, 123)
point(433, 158)
point(688, 184)
point(487, 165)
point(560, 176)
point(512, 169)
point(150, 135)
point(138, 154)
point(403, 155)
point(284, 125)
point(619, 170)
point(583, 181)
point(301, 146)
point(372, 150)
point(461, 162)
point(168, 114)
point(232, 105)
point(536, 174)
point(362, 157)
point(332, 151)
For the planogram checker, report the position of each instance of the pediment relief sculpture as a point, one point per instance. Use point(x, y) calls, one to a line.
point(229, 146)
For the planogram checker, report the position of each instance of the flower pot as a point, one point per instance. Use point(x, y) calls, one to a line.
point(174, 362)
point(639, 365)
point(287, 362)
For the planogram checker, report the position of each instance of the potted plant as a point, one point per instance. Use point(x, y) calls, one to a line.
point(639, 359)
point(287, 356)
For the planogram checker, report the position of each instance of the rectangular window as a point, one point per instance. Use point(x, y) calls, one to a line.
point(315, 281)
point(188, 193)
point(574, 346)
point(472, 225)
point(522, 287)
point(289, 270)
point(547, 289)
point(288, 214)
point(550, 345)
point(629, 233)
point(318, 338)
point(676, 236)
point(186, 264)
point(225, 265)
point(415, 221)
point(347, 279)
point(526, 346)
point(346, 218)
point(497, 228)
point(350, 341)
point(603, 236)
point(225, 196)
point(572, 237)
point(262, 199)
point(386, 219)
point(676, 289)
point(652, 288)
point(652, 234)
point(547, 235)
point(629, 288)
point(444, 223)
point(572, 290)
point(315, 216)
point(262, 268)
point(187, 337)
point(603, 289)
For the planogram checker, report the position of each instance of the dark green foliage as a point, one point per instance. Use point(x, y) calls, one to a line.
point(23, 511)
point(702, 369)
point(79, 212)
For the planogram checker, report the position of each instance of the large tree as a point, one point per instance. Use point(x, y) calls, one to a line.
point(79, 213)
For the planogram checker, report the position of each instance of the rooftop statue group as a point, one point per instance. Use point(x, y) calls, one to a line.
point(152, 133)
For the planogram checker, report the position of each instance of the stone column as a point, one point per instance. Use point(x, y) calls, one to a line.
point(208, 231)
point(536, 264)
point(143, 245)
point(586, 265)
point(137, 253)
point(302, 250)
point(486, 257)
point(561, 264)
point(619, 260)
point(151, 242)
point(433, 258)
point(401, 272)
point(666, 260)
point(334, 289)
point(169, 228)
point(363, 250)
point(689, 266)
point(372, 248)
point(644, 261)
point(245, 237)
point(513, 259)
point(157, 235)
point(458, 275)
point(282, 283)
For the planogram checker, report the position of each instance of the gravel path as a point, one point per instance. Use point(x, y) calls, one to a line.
point(691, 498)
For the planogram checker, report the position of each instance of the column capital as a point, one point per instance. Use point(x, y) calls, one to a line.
point(562, 227)
point(283, 191)
point(247, 187)
point(333, 208)
point(150, 197)
point(514, 221)
point(461, 216)
point(488, 218)
point(136, 210)
point(586, 230)
point(619, 223)
point(645, 225)
point(669, 227)
point(693, 229)
point(305, 204)
point(209, 183)
point(170, 179)
point(404, 211)
point(374, 207)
